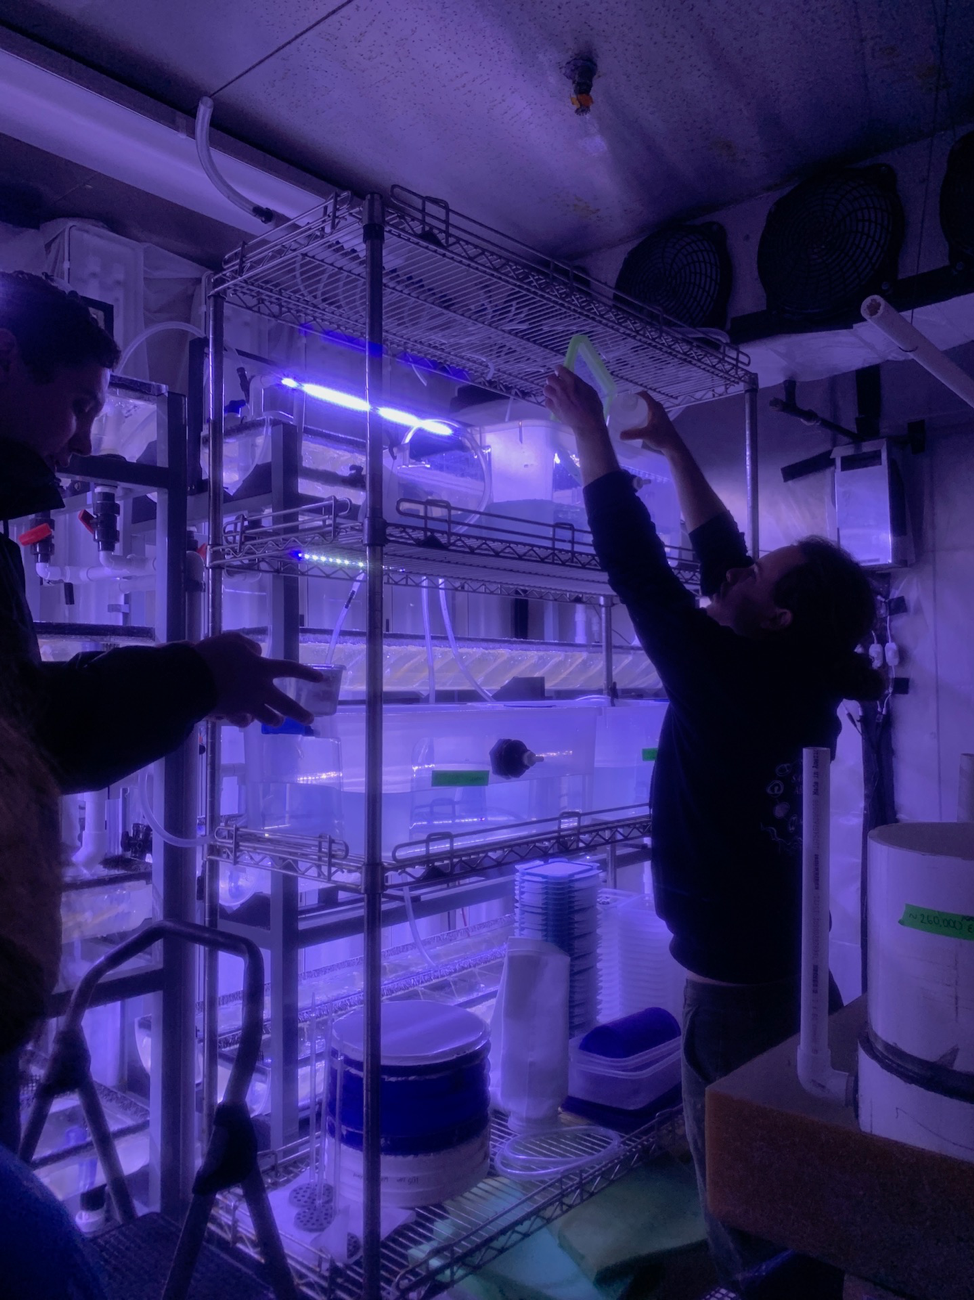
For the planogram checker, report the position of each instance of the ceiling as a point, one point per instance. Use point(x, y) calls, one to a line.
point(699, 104)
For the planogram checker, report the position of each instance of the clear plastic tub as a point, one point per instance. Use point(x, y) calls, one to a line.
point(609, 1083)
point(522, 459)
point(437, 775)
point(293, 782)
point(626, 742)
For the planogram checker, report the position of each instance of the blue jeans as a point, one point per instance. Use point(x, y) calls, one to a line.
point(723, 1029)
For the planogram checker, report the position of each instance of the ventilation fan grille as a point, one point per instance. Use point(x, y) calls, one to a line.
point(684, 272)
point(957, 198)
point(830, 242)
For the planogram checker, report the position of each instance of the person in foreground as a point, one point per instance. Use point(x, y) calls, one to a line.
point(42, 1254)
point(100, 716)
point(751, 680)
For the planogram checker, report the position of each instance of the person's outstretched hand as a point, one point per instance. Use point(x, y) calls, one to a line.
point(245, 682)
point(574, 402)
point(658, 433)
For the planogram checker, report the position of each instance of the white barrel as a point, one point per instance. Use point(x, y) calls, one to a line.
point(921, 940)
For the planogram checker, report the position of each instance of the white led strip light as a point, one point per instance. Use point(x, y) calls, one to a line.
point(352, 403)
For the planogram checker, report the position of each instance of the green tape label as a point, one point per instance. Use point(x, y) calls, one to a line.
point(952, 924)
point(649, 755)
point(461, 778)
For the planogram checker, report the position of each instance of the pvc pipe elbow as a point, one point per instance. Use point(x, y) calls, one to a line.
point(127, 566)
point(817, 1077)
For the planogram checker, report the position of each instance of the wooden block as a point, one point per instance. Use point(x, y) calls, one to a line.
point(798, 1171)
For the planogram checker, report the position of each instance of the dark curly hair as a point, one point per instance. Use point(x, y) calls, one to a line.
point(833, 610)
point(53, 327)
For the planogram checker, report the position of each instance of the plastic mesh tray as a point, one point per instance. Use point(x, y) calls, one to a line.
point(136, 1258)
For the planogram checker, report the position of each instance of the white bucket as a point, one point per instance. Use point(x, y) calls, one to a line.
point(916, 1057)
point(921, 940)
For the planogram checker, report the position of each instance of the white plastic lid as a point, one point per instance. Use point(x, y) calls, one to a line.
point(414, 1033)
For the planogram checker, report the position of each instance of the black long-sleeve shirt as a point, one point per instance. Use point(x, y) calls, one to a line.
point(726, 795)
point(97, 717)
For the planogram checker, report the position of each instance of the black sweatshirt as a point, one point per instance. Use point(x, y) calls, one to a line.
point(726, 795)
point(97, 717)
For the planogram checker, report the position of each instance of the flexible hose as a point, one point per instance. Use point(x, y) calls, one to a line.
point(445, 609)
point(204, 113)
point(342, 615)
point(154, 822)
point(150, 332)
point(428, 635)
point(414, 929)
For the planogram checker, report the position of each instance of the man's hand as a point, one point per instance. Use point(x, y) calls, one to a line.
point(245, 682)
point(574, 402)
point(658, 432)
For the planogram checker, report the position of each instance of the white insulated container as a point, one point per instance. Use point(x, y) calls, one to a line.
point(916, 1058)
point(921, 940)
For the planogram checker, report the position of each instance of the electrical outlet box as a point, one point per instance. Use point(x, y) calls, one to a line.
point(870, 506)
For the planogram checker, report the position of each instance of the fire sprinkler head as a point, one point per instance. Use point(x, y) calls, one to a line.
point(581, 71)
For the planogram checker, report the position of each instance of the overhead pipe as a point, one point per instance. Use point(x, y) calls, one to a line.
point(908, 339)
point(815, 1070)
point(788, 406)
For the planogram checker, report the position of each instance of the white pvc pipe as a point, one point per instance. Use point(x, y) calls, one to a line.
point(888, 321)
point(815, 1071)
point(127, 568)
point(94, 837)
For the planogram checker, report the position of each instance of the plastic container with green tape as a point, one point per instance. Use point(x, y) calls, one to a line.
point(626, 742)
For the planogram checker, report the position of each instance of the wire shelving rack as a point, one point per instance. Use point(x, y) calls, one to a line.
point(440, 1245)
point(487, 308)
point(429, 286)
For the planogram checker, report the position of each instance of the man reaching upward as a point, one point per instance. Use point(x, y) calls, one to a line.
point(751, 680)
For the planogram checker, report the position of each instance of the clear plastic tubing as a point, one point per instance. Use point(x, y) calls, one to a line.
point(445, 609)
point(428, 637)
point(157, 825)
point(342, 615)
point(414, 928)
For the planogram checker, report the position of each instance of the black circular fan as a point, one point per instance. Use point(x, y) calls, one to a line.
point(957, 198)
point(683, 271)
point(830, 242)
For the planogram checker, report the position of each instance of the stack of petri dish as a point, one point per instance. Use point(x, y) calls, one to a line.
point(558, 902)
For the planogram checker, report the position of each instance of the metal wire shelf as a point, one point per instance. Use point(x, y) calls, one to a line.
point(443, 853)
point(320, 858)
point(443, 1244)
point(428, 539)
point(440, 855)
point(484, 308)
